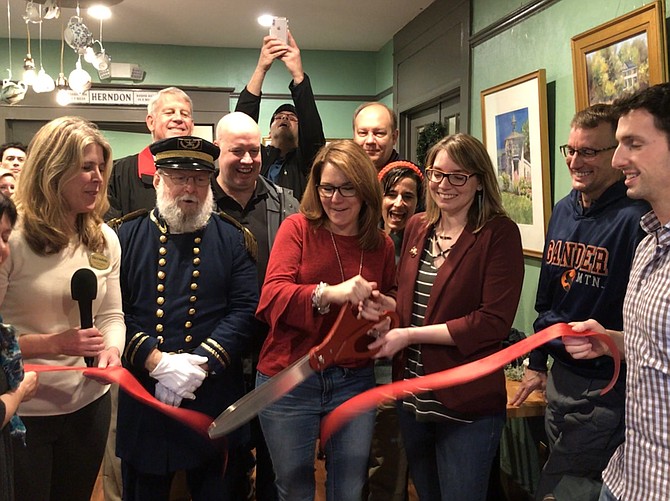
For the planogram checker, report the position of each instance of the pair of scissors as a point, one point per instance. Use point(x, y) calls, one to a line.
point(348, 340)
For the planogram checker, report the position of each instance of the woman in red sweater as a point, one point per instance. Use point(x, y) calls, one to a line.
point(329, 254)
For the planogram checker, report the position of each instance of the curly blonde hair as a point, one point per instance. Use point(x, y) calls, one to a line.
point(55, 156)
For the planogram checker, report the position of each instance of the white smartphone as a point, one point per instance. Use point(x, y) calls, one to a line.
point(279, 29)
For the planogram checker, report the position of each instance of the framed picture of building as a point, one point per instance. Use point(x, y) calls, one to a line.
point(514, 116)
point(621, 56)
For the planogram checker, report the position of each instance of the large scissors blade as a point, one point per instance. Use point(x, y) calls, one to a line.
point(247, 407)
point(347, 341)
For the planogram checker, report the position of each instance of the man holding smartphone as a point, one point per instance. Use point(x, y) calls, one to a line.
point(296, 131)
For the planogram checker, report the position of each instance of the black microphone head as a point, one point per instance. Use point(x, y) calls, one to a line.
point(84, 285)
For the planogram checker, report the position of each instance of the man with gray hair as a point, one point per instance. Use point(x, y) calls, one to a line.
point(169, 114)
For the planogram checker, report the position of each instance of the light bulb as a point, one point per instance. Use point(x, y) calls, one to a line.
point(63, 97)
point(80, 80)
point(29, 73)
point(43, 82)
point(63, 94)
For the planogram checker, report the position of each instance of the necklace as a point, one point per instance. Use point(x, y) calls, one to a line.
point(339, 261)
point(440, 251)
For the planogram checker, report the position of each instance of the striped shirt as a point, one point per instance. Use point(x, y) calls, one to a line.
point(424, 405)
point(640, 467)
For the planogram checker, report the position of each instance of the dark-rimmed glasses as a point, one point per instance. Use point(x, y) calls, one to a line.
point(454, 178)
point(200, 180)
point(328, 190)
point(286, 116)
point(569, 152)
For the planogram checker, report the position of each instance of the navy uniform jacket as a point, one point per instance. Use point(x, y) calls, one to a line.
point(196, 293)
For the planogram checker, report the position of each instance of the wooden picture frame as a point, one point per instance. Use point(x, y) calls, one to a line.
point(514, 126)
point(621, 56)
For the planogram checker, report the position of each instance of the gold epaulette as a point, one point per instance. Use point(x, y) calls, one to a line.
point(249, 239)
point(116, 222)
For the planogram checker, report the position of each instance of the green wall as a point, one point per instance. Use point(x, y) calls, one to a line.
point(340, 77)
point(541, 41)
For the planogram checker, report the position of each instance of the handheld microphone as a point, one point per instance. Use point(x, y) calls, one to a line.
point(84, 289)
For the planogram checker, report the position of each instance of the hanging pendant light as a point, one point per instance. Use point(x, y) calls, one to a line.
point(80, 80)
point(11, 92)
point(29, 73)
point(62, 86)
point(43, 82)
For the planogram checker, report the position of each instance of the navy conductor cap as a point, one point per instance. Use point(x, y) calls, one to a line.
point(186, 152)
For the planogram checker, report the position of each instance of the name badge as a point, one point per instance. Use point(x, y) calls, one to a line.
point(98, 261)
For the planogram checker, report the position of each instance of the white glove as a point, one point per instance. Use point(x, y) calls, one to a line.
point(166, 396)
point(180, 373)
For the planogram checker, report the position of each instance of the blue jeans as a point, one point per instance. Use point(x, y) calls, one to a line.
point(291, 427)
point(451, 461)
point(606, 494)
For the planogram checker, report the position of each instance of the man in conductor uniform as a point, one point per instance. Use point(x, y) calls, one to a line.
point(189, 289)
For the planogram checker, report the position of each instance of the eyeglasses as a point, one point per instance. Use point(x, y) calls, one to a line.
point(286, 116)
point(200, 180)
point(454, 178)
point(569, 152)
point(328, 190)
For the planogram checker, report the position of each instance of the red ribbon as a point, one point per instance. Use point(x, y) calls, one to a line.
point(196, 420)
point(458, 375)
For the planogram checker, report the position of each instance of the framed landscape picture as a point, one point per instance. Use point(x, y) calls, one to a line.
point(620, 56)
point(514, 116)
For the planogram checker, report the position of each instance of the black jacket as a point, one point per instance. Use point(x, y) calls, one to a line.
point(297, 163)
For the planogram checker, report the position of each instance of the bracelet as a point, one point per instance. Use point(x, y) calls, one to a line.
point(316, 299)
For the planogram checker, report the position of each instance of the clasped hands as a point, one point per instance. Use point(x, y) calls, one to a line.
point(178, 375)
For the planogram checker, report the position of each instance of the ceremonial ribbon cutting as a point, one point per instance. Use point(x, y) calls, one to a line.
point(365, 401)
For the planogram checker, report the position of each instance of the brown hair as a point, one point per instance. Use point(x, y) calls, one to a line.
point(357, 167)
point(471, 155)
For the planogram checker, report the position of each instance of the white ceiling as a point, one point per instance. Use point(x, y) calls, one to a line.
point(316, 24)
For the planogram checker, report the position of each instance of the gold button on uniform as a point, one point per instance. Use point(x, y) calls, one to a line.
point(160, 287)
point(159, 327)
point(197, 240)
point(160, 300)
point(191, 311)
point(161, 275)
point(188, 324)
point(196, 273)
point(162, 239)
point(162, 251)
point(162, 261)
point(160, 313)
point(194, 286)
point(196, 250)
point(196, 261)
point(193, 299)
point(188, 338)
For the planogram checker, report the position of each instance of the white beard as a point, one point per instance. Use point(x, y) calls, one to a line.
point(177, 220)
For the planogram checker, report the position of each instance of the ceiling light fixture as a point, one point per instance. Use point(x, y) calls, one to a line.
point(43, 82)
point(265, 20)
point(80, 80)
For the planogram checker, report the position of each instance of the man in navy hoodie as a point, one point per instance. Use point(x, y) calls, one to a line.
point(591, 240)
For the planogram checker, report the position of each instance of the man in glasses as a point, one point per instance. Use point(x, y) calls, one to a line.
point(189, 297)
point(591, 240)
point(296, 131)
